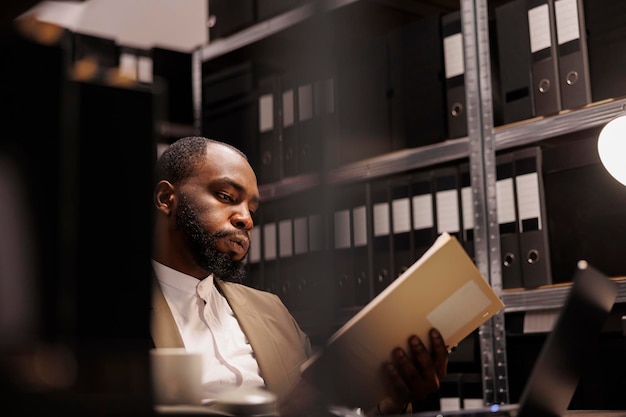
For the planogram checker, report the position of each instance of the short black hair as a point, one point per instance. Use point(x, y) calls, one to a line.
point(181, 158)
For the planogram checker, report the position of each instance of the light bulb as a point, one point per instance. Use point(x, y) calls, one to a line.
point(612, 148)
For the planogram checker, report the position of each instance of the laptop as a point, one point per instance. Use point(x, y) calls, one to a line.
point(557, 370)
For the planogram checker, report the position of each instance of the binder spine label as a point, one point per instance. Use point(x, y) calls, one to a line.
point(539, 28)
point(567, 27)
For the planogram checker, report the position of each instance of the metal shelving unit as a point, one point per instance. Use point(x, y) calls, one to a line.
point(480, 146)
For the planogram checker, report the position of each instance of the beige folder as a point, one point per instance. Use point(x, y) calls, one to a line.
point(442, 289)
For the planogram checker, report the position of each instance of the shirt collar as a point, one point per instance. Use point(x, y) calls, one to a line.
point(173, 278)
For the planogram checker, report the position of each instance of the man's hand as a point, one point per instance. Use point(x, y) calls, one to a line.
point(414, 374)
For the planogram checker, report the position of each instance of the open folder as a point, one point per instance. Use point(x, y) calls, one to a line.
point(442, 289)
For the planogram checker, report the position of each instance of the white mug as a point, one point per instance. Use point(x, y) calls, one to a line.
point(176, 376)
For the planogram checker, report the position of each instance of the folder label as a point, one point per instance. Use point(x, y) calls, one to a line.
point(567, 28)
point(300, 235)
point(401, 210)
point(254, 255)
point(422, 212)
point(381, 219)
point(539, 28)
point(528, 198)
point(467, 207)
point(288, 108)
point(315, 232)
point(359, 222)
point(285, 238)
point(266, 113)
point(453, 55)
point(305, 102)
point(269, 241)
point(505, 201)
point(447, 211)
point(342, 229)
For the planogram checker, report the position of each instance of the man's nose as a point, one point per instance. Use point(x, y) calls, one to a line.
point(242, 219)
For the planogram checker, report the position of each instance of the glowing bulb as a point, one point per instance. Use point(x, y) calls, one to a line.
point(612, 148)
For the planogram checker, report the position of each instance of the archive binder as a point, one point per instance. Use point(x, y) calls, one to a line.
point(545, 75)
point(401, 225)
point(423, 211)
point(270, 146)
point(271, 271)
point(324, 100)
point(454, 61)
point(514, 59)
point(342, 254)
point(363, 285)
point(288, 269)
point(510, 256)
point(572, 53)
point(381, 234)
point(447, 200)
point(289, 129)
point(534, 243)
point(309, 139)
point(254, 277)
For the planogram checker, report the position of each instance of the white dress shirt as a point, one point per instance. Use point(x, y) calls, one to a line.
point(207, 324)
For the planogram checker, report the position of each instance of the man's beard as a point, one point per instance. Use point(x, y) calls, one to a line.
point(203, 245)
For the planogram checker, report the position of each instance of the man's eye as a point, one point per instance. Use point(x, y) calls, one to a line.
point(225, 197)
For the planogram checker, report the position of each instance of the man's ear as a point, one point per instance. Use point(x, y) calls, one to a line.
point(164, 197)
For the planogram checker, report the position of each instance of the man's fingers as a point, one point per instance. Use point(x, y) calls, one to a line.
point(439, 353)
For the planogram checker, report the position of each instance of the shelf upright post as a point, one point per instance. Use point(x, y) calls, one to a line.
point(481, 142)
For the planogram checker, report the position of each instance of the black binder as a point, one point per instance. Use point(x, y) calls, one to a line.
point(447, 200)
point(325, 114)
point(514, 59)
point(308, 254)
point(543, 47)
point(382, 259)
point(508, 222)
point(309, 137)
point(288, 269)
point(289, 132)
point(269, 128)
point(363, 284)
point(269, 227)
point(572, 53)
point(423, 211)
point(453, 53)
point(401, 224)
point(343, 277)
point(254, 271)
point(534, 244)
point(417, 82)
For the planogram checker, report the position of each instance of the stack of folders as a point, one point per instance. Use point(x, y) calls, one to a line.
point(542, 56)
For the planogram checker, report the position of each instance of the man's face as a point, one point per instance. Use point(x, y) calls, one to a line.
point(202, 244)
point(214, 213)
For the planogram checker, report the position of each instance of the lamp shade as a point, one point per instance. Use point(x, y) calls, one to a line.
point(612, 148)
